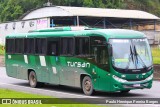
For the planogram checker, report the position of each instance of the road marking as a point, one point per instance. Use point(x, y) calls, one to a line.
point(29, 88)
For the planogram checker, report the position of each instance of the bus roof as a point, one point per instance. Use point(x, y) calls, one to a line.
point(107, 33)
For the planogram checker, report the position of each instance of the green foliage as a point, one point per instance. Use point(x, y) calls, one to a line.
point(103, 3)
point(88, 3)
point(13, 9)
point(156, 55)
point(2, 50)
point(151, 6)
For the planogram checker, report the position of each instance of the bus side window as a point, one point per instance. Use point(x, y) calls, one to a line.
point(9, 45)
point(99, 50)
point(41, 46)
point(82, 46)
point(19, 45)
point(29, 46)
point(67, 46)
point(53, 46)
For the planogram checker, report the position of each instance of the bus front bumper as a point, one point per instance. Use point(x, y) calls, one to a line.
point(120, 84)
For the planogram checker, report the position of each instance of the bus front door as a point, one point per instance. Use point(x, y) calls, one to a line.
point(102, 69)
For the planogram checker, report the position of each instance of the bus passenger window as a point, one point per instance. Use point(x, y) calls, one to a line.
point(29, 46)
point(52, 48)
point(19, 45)
point(9, 45)
point(82, 45)
point(40, 46)
point(67, 46)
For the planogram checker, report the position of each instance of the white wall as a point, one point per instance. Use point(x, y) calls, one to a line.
point(22, 27)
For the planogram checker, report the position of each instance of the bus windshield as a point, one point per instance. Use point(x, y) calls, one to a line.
point(131, 53)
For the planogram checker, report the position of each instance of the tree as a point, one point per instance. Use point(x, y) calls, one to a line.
point(88, 3)
point(11, 11)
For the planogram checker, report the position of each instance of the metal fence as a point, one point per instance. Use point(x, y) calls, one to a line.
point(153, 37)
point(157, 72)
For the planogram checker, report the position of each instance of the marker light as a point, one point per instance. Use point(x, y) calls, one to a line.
point(119, 79)
point(149, 78)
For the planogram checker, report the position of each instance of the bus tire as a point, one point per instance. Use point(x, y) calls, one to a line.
point(87, 86)
point(33, 80)
point(125, 91)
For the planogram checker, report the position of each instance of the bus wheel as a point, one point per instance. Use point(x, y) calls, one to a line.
point(33, 80)
point(87, 85)
point(125, 91)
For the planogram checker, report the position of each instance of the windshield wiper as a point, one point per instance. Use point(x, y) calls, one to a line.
point(130, 57)
point(137, 55)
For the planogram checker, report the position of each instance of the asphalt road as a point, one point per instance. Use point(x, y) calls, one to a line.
point(70, 92)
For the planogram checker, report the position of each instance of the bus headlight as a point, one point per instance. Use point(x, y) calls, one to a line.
point(119, 79)
point(149, 78)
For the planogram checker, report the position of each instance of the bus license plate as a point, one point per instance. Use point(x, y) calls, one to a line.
point(136, 85)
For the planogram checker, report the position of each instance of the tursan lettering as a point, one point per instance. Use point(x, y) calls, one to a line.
point(78, 64)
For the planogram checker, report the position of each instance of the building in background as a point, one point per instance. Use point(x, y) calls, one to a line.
point(51, 16)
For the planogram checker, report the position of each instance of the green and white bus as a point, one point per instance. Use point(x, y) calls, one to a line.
point(107, 60)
